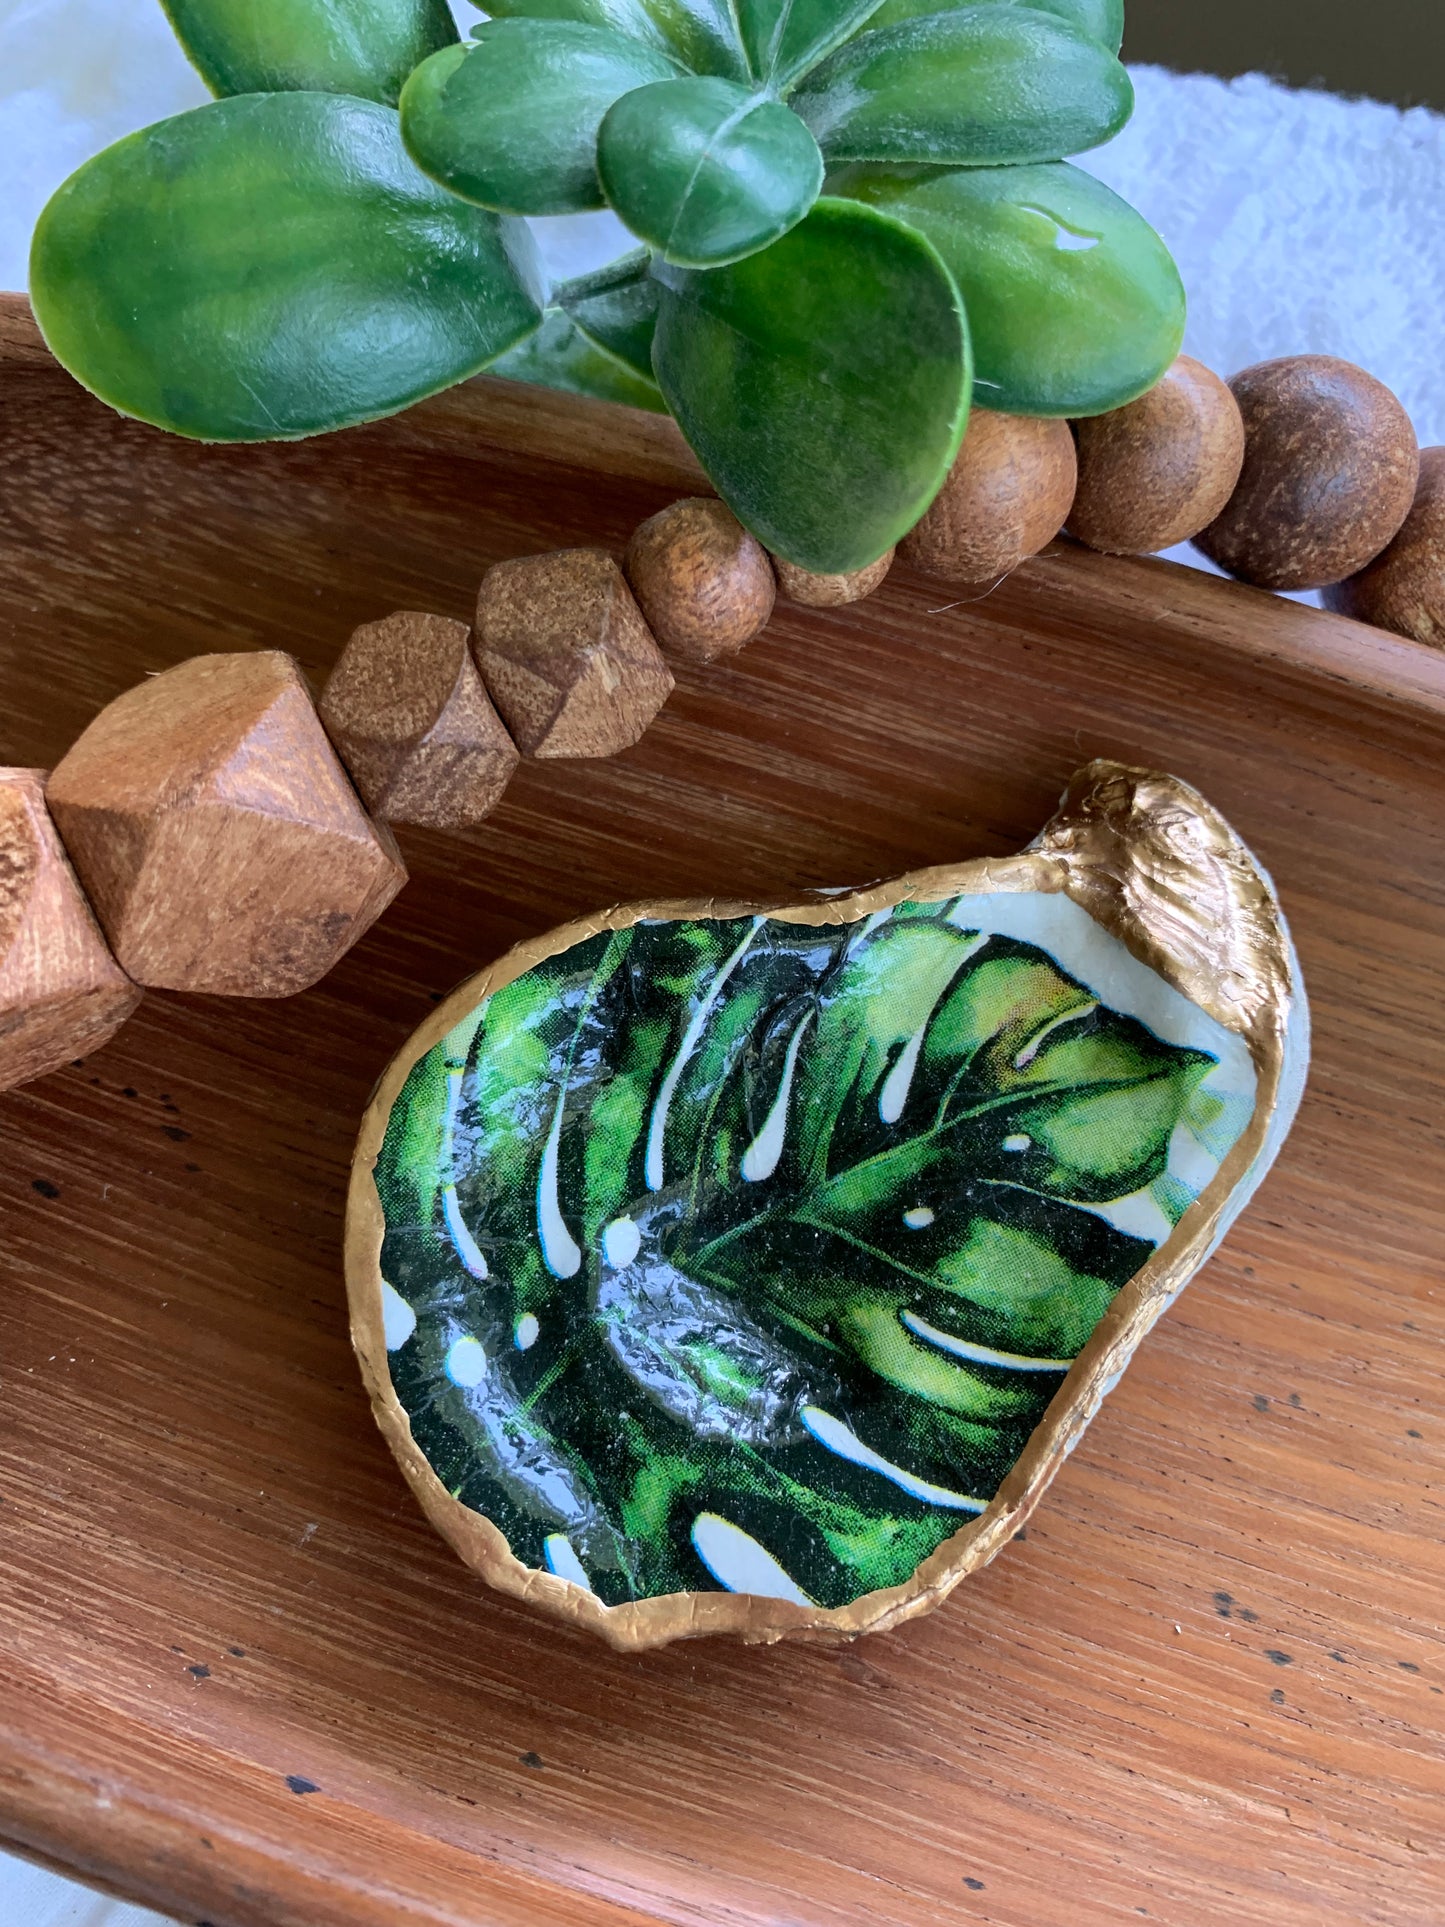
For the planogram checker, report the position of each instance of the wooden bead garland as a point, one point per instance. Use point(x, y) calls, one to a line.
point(566, 655)
point(704, 584)
point(1161, 469)
point(1330, 468)
point(61, 992)
point(215, 838)
point(216, 835)
point(1404, 588)
point(407, 712)
point(1007, 496)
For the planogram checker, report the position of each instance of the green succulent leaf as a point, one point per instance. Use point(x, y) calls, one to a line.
point(1101, 20)
point(790, 1228)
point(783, 38)
point(842, 352)
point(980, 87)
point(511, 122)
point(560, 355)
point(361, 47)
point(272, 266)
point(701, 34)
point(616, 307)
point(705, 171)
point(1074, 303)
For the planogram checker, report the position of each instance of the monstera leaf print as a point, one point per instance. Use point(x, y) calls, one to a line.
point(748, 1253)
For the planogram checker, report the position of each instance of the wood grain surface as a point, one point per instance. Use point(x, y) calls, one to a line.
point(240, 1678)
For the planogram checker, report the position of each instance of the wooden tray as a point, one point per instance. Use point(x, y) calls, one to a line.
point(239, 1676)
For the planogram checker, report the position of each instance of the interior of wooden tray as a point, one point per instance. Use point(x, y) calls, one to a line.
point(239, 1676)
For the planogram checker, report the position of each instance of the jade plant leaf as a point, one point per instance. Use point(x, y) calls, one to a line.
point(775, 381)
point(705, 171)
point(1074, 303)
point(616, 307)
point(560, 355)
point(721, 1249)
point(511, 121)
point(982, 86)
point(701, 34)
point(361, 47)
point(308, 276)
point(783, 38)
point(1101, 20)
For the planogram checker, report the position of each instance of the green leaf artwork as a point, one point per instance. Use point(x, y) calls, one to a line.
point(746, 1254)
point(283, 269)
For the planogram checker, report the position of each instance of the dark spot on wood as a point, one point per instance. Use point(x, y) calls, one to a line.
point(1406, 1326)
point(209, 1845)
point(1277, 1658)
point(1411, 1433)
point(129, 1090)
point(236, 1652)
point(1261, 1403)
point(1222, 1603)
point(1249, 1617)
point(199, 1672)
point(298, 1783)
point(533, 1760)
point(176, 1134)
point(1022, 1533)
point(193, 1167)
point(1296, 1401)
point(436, 995)
point(974, 1886)
point(45, 1187)
point(1339, 1656)
point(1276, 1698)
point(1407, 1666)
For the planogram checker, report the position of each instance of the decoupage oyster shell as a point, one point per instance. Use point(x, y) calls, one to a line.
point(716, 1269)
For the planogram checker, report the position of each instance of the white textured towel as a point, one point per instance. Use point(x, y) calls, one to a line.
point(1302, 223)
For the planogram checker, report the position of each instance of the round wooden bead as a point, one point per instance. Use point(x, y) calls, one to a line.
point(1006, 497)
point(830, 591)
point(704, 584)
point(1404, 589)
point(1161, 469)
point(1330, 466)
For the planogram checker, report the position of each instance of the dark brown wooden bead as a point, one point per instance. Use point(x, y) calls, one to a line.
point(830, 591)
point(704, 584)
point(1161, 469)
point(1006, 497)
point(62, 994)
point(217, 835)
point(1330, 467)
point(566, 655)
point(407, 712)
point(1404, 589)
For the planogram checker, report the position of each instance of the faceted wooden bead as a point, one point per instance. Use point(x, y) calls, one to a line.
point(566, 655)
point(407, 712)
point(1330, 467)
point(62, 994)
point(703, 583)
point(1006, 497)
point(1161, 469)
point(830, 591)
point(1404, 589)
point(217, 835)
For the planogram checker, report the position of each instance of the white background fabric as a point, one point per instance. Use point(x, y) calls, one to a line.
point(1301, 222)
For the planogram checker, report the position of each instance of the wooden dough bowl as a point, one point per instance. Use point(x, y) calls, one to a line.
point(242, 1680)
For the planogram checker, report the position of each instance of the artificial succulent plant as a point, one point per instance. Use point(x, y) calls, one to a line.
point(854, 217)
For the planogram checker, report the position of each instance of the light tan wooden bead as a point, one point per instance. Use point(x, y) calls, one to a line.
point(62, 994)
point(410, 719)
point(1006, 497)
point(1161, 469)
point(566, 655)
point(703, 583)
point(1330, 467)
point(830, 591)
point(216, 834)
point(1404, 589)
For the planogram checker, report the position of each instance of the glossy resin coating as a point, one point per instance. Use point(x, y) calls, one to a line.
point(743, 1255)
